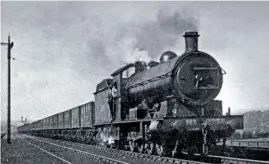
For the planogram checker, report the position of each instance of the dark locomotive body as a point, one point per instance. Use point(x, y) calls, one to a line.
point(161, 108)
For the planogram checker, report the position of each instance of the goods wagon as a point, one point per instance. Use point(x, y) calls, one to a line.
point(33, 126)
point(75, 117)
point(45, 123)
point(55, 121)
point(60, 120)
point(67, 119)
point(51, 122)
point(38, 125)
point(41, 124)
point(87, 115)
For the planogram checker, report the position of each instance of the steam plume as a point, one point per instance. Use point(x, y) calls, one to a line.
point(146, 40)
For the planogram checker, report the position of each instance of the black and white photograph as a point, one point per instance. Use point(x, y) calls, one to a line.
point(134, 82)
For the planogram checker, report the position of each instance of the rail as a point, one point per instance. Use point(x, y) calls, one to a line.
point(93, 156)
point(230, 160)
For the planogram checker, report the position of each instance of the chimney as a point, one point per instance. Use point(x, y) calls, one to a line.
point(191, 41)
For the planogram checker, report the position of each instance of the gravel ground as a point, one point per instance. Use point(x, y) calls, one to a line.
point(20, 152)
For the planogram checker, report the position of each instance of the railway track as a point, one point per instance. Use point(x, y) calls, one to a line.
point(111, 154)
point(107, 155)
point(229, 160)
point(69, 155)
point(61, 160)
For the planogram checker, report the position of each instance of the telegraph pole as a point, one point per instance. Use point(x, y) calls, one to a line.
point(9, 47)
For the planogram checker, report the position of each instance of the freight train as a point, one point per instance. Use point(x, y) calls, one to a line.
point(162, 108)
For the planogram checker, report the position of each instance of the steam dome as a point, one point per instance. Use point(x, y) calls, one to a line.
point(168, 55)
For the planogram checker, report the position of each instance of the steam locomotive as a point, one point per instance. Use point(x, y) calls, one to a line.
point(162, 108)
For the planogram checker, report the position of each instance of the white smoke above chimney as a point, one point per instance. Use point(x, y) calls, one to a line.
point(144, 40)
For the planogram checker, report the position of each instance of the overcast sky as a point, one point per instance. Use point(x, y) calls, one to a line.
point(63, 49)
